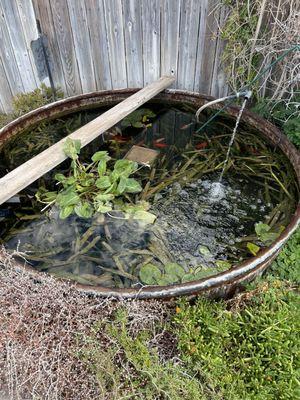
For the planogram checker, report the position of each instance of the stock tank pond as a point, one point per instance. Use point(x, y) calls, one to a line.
point(150, 229)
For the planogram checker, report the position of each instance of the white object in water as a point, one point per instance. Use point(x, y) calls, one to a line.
point(217, 191)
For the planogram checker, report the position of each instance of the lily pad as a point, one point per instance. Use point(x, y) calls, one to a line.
point(150, 274)
point(204, 250)
point(174, 270)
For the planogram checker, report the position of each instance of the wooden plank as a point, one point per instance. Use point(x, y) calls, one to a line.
point(99, 46)
point(43, 13)
point(200, 45)
point(5, 92)
point(151, 39)
point(189, 26)
point(14, 27)
point(8, 58)
point(170, 18)
point(82, 43)
point(31, 170)
point(133, 42)
point(63, 30)
point(116, 46)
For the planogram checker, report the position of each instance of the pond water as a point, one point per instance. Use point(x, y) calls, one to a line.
point(194, 234)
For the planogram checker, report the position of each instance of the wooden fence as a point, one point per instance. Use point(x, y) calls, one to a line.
point(109, 44)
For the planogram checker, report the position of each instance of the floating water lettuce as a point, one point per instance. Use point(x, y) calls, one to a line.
point(96, 187)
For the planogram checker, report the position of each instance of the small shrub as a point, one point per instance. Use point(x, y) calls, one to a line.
point(282, 113)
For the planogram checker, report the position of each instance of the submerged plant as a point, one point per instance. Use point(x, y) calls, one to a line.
point(96, 188)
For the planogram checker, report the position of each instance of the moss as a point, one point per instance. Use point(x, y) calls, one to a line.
point(252, 353)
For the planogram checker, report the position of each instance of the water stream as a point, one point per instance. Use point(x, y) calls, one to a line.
point(217, 189)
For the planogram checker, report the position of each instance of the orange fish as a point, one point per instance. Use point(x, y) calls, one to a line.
point(159, 145)
point(201, 145)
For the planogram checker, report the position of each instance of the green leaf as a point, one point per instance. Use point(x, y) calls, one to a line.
point(122, 185)
point(188, 278)
point(253, 248)
point(222, 265)
point(205, 273)
point(71, 180)
point(71, 148)
point(60, 177)
point(104, 197)
point(100, 155)
point(67, 198)
point(137, 124)
point(166, 280)
point(132, 186)
point(204, 250)
point(260, 228)
point(101, 167)
point(44, 196)
point(66, 211)
point(144, 216)
point(103, 182)
point(149, 274)
point(103, 208)
point(175, 270)
point(125, 167)
point(264, 233)
point(84, 210)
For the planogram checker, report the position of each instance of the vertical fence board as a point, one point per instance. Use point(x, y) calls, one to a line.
point(151, 39)
point(133, 42)
point(82, 44)
point(8, 58)
point(170, 18)
point(99, 47)
point(219, 87)
point(62, 26)
point(200, 46)
point(43, 13)
point(5, 92)
point(29, 27)
point(13, 24)
point(116, 46)
point(209, 48)
point(189, 27)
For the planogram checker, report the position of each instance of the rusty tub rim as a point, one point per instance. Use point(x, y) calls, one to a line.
point(215, 285)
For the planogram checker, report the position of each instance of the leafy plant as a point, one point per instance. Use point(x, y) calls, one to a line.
point(284, 114)
point(138, 118)
point(96, 188)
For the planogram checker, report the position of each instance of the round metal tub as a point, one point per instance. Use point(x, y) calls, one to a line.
point(220, 285)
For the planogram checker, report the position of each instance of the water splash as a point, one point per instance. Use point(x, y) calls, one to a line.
point(217, 191)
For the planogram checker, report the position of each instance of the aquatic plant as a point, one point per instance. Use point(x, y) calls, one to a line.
point(96, 187)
